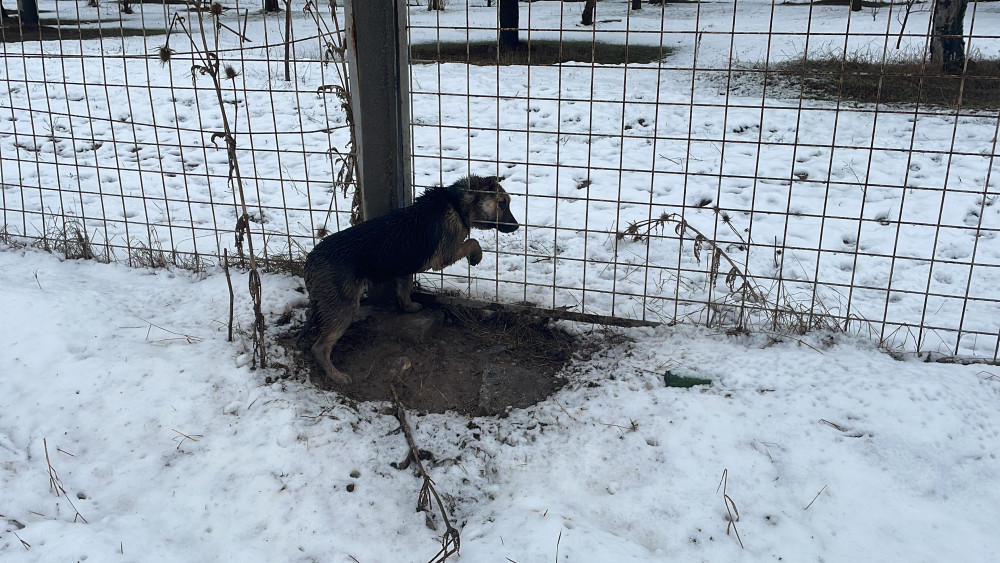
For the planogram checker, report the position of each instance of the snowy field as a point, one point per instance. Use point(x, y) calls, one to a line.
point(172, 451)
point(118, 386)
point(882, 215)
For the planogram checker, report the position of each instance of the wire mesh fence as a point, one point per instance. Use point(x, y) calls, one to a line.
point(751, 165)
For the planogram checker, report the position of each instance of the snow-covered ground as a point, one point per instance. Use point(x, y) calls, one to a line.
point(172, 449)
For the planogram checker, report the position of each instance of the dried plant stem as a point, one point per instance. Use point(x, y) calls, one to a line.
point(24, 544)
point(232, 296)
point(450, 541)
point(734, 513)
point(210, 65)
point(640, 230)
point(56, 485)
point(815, 497)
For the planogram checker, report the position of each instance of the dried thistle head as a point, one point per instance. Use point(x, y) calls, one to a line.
point(165, 53)
point(230, 72)
point(216, 9)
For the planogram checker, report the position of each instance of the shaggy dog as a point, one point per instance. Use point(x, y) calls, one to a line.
point(429, 235)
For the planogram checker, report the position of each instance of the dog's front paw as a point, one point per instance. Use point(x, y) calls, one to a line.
point(476, 254)
point(339, 377)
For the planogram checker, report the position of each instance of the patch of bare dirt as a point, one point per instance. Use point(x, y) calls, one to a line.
point(471, 361)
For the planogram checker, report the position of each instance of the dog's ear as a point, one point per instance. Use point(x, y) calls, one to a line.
point(494, 182)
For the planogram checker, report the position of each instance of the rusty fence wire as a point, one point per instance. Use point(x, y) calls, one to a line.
point(680, 162)
point(111, 136)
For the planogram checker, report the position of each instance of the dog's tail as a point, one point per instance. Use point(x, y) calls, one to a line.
point(310, 323)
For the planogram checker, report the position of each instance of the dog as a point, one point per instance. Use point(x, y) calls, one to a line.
point(429, 235)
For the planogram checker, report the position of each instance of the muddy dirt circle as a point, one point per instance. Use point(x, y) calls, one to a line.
point(471, 361)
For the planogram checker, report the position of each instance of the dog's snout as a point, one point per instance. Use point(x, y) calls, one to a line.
point(507, 227)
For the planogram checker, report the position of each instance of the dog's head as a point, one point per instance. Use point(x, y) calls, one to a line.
point(490, 207)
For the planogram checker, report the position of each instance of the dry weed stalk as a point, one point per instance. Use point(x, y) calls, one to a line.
point(639, 231)
point(55, 484)
point(72, 240)
point(749, 305)
point(450, 541)
point(734, 514)
point(209, 64)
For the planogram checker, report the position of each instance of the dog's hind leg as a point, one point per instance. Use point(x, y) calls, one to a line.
point(333, 322)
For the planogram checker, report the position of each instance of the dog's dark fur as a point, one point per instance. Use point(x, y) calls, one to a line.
point(430, 234)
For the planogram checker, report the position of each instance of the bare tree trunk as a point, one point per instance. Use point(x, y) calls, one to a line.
point(947, 43)
point(509, 22)
point(588, 12)
point(636, 4)
point(28, 12)
point(435, 5)
point(271, 6)
point(856, 5)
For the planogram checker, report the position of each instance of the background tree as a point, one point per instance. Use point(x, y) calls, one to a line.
point(509, 22)
point(27, 10)
point(588, 12)
point(947, 42)
point(271, 6)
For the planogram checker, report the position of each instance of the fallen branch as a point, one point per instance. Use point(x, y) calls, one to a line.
point(450, 541)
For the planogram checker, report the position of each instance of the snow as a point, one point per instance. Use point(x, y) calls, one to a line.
point(173, 448)
point(172, 452)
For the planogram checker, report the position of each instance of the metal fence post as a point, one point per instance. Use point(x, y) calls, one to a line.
point(379, 76)
point(378, 63)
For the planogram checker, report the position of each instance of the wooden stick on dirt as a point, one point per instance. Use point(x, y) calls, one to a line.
point(450, 541)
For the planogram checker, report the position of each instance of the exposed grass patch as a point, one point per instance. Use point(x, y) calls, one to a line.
point(864, 3)
point(537, 52)
point(904, 82)
point(683, 381)
point(62, 29)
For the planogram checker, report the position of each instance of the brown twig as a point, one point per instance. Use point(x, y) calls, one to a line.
point(450, 541)
point(815, 497)
point(24, 544)
point(833, 424)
